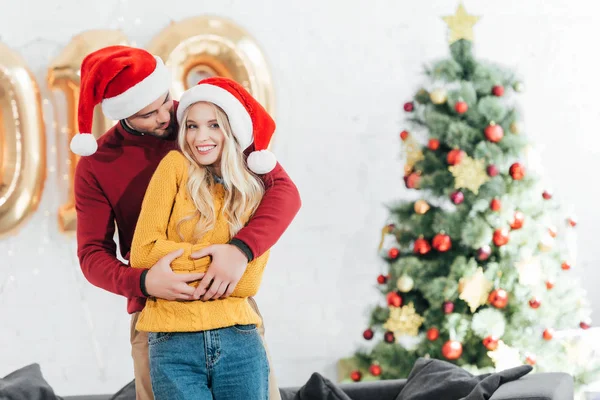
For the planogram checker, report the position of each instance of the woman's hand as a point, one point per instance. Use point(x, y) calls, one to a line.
point(225, 271)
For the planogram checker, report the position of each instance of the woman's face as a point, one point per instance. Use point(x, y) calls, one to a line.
point(203, 134)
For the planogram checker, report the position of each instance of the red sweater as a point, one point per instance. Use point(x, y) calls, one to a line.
point(109, 188)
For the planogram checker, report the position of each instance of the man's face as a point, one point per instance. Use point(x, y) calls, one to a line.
point(154, 119)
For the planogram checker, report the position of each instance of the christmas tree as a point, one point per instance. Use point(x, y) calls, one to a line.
point(477, 269)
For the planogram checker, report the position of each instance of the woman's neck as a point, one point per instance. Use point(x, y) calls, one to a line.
point(215, 171)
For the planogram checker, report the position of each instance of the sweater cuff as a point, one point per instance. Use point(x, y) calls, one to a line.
point(243, 248)
point(143, 282)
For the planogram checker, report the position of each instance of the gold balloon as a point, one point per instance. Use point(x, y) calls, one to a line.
point(63, 78)
point(515, 127)
point(438, 96)
point(22, 142)
point(199, 47)
point(405, 283)
point(421, 207)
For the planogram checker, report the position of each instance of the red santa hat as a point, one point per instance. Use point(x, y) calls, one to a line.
point(125, 80)
point(249, 121)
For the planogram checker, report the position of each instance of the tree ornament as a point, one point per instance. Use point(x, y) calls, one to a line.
point(393, 253)
point(433, 334)
point(375, 370)
point(394, 299)
point(409, 106)
point(493, 132)
point(498, 298)
point(495, 205)
point(474, 290)
point(585, 324)
point(530, 359)
point(548, 334)
point(535, 303)
point(549, 284)
point(552, 231)
point(455, 156)
point(492, 170)
point(505, 357)
point(422, 246)
point(382, 279)
point(519, 86)
point(461, 107)
point(565, 266)
point(405, 283)
point(547, 195)
point(404, 135)
point(501, 237)
point(356, 375)
point(484, 252)
point(461, 25)
point(457, 197)
point(517, 171)
point(572, 222)
point(368, 334)
point(412, 181)
point(441, 242)
point(438, 96)
point(448, 307)
point(433, 144)
point(518, 220)
point(413, 151)
point(452, 350)
point(490, 342)
point(515, 127)
point(421, 207)
point(404, 320)
point(469, 174)
point(546, 243)
point(389, 337)
point(498, 90)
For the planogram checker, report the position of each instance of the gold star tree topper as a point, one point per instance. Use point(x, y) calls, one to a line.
point(469, 174)
point(404, 320)
point(475, 289)
point(461, 25)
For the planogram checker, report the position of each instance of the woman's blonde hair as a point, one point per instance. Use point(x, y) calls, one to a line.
point(243, 189)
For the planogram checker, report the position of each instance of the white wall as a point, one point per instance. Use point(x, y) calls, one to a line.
point(342, 72)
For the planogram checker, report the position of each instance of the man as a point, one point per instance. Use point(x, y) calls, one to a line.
point(110, 183)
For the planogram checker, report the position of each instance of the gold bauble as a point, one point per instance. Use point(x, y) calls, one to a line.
point(519, 87)
point(438, 96)
point(515, 128)
point(421, 207)
point(405, 283)
point(546, 243)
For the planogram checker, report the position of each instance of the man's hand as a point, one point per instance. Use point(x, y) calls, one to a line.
point(226, 269)
point(165, 284)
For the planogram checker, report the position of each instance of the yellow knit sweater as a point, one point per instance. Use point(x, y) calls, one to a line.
point(166, 202)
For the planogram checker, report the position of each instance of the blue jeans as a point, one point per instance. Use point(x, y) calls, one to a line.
point(220, 364)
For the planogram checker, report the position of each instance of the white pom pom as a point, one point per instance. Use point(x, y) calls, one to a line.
point(262, 161)
point(84, 144)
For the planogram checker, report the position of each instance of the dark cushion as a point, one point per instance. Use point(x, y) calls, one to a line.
point(432, 379)
point(127, 392)
point(317, 388)
point(26, 383)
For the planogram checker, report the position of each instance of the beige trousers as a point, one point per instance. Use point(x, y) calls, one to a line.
point(141, 365)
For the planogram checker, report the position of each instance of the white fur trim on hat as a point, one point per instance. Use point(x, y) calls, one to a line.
point(238, 115)
point(84, 144)
point(262, 161)
point(140, 95)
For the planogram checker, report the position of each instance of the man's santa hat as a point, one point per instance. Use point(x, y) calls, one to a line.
point(125, 80)
point(249, 121)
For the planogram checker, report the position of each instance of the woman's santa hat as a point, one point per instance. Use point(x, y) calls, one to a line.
point(125, 80)
point(249, 121)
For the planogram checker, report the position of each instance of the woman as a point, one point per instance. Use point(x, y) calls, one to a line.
point(198, 197)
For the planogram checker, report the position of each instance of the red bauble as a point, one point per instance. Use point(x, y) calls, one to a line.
point(461, 107)
point(517, 171)
point(585, 324)
point(457, 197)
point(422, 246)
point(549, 285)
point(530, 359)
point(355, 376)
point(433, 334)
point(375, 370)
point(565, 266)
point(535, 302)
point(452, 350)
point(495, 205)
point(394, 299)
point(498, 90)
point(572, 222)
point(412, 181)
point(518, 220)
point(433, 144)
point(389, 337)
point(484, 253)
point(490, 342)
point(448, 307)
point(547, 195)
point(382, 279)
point(501, 237)
point(409, 106)
point(548, 334)
point(455, 156)
point(494, 133)
point(404, 135)
point(492, 170)
point(368, 334)
point(498, 298)
point(393, 253)
point(441, 242)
